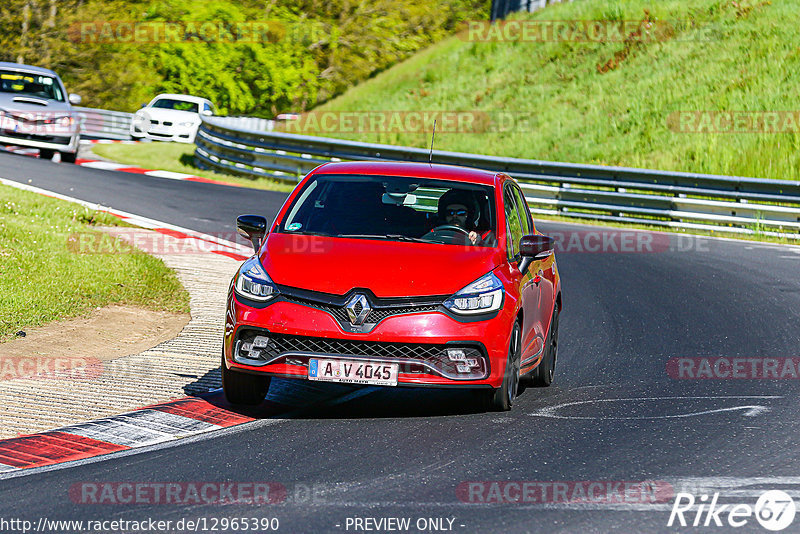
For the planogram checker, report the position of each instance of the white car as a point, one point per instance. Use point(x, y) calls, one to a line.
point(170, 117)
point(36, 111)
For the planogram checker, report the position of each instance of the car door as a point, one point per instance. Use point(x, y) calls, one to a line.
point(532, 333)
point(543, 269)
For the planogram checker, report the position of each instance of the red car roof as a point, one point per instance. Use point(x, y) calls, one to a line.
point(412, 170)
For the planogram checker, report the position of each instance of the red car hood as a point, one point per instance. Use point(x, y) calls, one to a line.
point(387, 268)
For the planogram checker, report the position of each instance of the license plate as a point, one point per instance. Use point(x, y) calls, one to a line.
point(353, 372)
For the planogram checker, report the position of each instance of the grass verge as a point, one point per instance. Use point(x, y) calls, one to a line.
point(41, 280)
point(176, 157)
point(611, 103)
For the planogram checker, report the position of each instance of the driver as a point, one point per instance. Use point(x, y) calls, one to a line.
point(460, 208)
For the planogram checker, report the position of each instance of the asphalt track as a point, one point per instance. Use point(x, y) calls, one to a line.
point(404, 452)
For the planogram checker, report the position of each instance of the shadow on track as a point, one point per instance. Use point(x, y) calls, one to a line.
point(302, 399)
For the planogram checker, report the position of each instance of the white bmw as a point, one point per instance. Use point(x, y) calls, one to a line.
point(171, 117)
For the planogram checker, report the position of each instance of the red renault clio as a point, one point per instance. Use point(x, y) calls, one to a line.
point(395, 274)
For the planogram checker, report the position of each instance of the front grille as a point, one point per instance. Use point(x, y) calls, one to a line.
point(35, 137)
point(273, 347)
point(375, 316)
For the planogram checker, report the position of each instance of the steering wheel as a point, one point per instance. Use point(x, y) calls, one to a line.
point(451, 227)
point(450, 231)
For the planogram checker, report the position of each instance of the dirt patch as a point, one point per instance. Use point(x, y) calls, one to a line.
point(107, 333)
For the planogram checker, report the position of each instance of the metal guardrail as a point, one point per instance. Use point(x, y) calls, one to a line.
point(104, 124)
point(620, 194)
point(249, 123)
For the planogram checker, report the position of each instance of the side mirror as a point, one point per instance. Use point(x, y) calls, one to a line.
point(253, 227)
point(534, 247)
point(206, 113)
point(74, 99)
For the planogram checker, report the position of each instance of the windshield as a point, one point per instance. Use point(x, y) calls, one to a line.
point(30, 84)
point(177, 105)
point(394, 208)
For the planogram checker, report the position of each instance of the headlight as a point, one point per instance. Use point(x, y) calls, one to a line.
point(187, 123)
point(65, 121)
point(484, 295)
point(253, 281)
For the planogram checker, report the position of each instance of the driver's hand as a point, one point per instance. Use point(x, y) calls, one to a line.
point(473, 236)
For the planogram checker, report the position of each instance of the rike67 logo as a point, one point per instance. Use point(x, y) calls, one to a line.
point(774, 510)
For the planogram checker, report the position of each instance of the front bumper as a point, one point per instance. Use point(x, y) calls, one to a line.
point(418, 342)
point(175, 134)
point(66, 142)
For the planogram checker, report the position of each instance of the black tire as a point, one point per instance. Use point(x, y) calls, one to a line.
point(544, 373)
point(46, 153)
point(501, 399)
point(69, 157)
point(242, 388)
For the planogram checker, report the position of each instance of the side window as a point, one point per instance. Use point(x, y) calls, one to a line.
point(524, 212)
point(513, 226)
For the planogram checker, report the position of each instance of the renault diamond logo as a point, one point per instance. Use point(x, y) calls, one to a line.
point(357, 309)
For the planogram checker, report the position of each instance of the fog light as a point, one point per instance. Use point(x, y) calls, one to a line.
point(456, 355)
point(463, 364)
point(261, 342)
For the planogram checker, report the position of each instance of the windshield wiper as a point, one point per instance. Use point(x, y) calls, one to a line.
point(398, 237)
point(323, 234)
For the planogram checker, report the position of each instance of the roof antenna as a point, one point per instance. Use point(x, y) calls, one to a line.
point(433, 136)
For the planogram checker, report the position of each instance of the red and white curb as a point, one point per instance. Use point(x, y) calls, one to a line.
point(162, 423)
point(108, 142)
point(149, 426)
point(121, 167)
point(170, 175)
point(25, 151)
